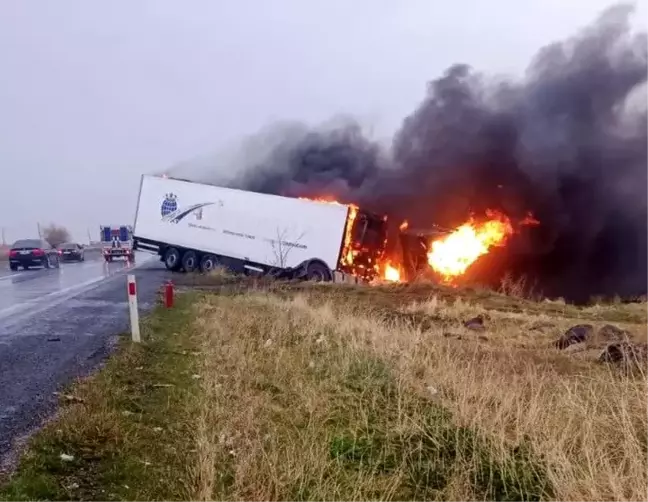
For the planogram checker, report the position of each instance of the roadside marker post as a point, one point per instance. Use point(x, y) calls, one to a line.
point(168, 294)
point(132, 306)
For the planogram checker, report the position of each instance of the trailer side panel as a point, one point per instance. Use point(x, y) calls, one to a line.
point(248, 226)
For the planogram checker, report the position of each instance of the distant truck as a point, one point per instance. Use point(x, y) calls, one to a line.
point(194, 226)
point(117, 242)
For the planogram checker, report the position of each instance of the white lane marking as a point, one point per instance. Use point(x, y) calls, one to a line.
point(34, 273)
point(27, 273)
point(21, 306)
point(5, 277)
point(41, 302)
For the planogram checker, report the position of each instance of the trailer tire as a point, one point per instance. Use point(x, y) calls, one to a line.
point(172, 259)
point(318, 272)
point(189, 261)
point(208, 263)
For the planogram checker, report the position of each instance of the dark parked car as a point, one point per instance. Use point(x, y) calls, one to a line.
point(32, 253)
point(71, 251)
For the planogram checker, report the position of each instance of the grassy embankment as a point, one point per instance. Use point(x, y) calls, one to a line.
point(266, 392)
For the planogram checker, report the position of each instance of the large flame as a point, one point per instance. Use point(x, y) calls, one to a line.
point(451, 255)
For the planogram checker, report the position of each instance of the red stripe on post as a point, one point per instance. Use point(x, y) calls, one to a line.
point(131, 288)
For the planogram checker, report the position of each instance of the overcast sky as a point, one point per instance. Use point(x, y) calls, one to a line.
point(93, 94)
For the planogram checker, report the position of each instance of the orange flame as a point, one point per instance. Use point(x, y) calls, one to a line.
point(347, 248)
point(325, 198)
point(451, 255)
point(391, 273)
point(347, 252)
point(404, 225)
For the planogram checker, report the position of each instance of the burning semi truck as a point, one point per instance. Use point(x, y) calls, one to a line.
point(194, 226)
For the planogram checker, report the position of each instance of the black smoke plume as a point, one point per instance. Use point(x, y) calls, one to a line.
point(566, 142)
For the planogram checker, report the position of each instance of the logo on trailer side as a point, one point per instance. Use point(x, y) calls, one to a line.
point(172, 213)
point(169, 204)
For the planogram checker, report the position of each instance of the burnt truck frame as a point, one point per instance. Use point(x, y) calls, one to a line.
point(414, 244)
point(336, 237)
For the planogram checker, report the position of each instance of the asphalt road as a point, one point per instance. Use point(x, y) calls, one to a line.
point(58, 324)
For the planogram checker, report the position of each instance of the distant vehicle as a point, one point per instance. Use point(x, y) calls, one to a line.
point(27, 253)
point(117, 242)
point(71, 251)
point(193, 226)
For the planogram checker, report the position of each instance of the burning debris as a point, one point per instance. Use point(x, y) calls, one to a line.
point(391, 273)
point(449, 256)
point(559, 158)
point(452, 255)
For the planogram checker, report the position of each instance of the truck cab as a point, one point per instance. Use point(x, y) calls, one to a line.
point(365, 244)
point(117, 242)
point(415, 244)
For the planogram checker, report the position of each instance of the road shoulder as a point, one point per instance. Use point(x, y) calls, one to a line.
point(110, 440)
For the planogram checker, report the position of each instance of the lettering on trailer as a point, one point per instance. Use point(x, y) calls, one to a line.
point(202, 227)
point(171, 212)
point(287, 243)
point(272, 241)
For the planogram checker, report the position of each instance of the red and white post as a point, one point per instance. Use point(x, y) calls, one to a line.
point(132, 307)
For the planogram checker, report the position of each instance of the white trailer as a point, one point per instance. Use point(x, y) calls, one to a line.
point(197, 226)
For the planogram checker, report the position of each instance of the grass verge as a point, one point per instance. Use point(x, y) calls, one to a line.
point(332, 392)
point(121, 434)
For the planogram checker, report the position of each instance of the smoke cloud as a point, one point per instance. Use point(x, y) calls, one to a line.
point(568, 142)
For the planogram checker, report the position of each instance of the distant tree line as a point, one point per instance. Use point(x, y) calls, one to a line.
point(55, 235)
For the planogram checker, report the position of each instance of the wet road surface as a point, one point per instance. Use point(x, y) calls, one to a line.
point(58, 324)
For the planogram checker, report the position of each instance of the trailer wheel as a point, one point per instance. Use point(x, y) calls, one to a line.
point(172, 259)
point(208, 263)
point(318, 272)
point(189, 261)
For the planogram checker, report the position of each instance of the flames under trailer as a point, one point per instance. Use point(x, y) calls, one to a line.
point(195, 226)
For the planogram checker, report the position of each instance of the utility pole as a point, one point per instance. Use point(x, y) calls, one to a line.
point(4, 242)
point(39, 230)
point(89, 239)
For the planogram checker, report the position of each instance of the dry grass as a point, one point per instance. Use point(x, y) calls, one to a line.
point(351, 393)
point(312, 400)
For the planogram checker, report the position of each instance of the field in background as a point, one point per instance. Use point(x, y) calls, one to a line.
point(265, 391)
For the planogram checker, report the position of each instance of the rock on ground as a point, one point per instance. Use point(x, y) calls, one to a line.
point(576, 334)
point(626, 354)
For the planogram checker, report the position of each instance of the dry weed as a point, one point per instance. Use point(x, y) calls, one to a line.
point(311, 399)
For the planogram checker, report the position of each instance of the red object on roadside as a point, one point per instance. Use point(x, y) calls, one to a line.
point(131, 288)
point(168, 294)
